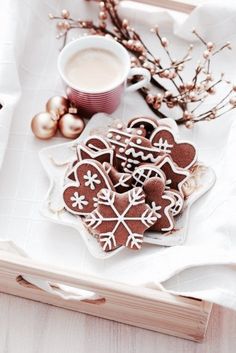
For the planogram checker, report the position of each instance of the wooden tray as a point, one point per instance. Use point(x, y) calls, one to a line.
point(143, 307)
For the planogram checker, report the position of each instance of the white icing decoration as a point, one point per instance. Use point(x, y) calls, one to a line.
point(121, 150)
point(95, 200)
point(168, 183)
point(156, 208)
point(118, 137)
point(91, 180)
point(108, 152)
point(135, 198)
point(179, 202)
point(109, 135)
point(119, 126)
point(163, 146)
point(123, 181)
point(167, 212)
point(139, 141)
point(139, 132)
point(126, 140)
point(78, 201)
point(140, 154)
point(146, 172)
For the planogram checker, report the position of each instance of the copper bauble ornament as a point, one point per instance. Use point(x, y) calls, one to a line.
point(71, 125)
point(43, 126)
point(57, 106)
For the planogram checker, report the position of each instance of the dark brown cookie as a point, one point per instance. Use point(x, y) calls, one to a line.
point(121, 219)
point(122, 181)
point(183, 153)
point(161, 203)
point(80, 197)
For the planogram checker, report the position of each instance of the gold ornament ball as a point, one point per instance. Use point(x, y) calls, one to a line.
point(71, 125)
point(57, 106)
point(43, 126)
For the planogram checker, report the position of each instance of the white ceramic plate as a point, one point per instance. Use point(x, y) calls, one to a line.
point(56, 161)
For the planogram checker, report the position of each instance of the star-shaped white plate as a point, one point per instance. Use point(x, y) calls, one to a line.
point(57, 159)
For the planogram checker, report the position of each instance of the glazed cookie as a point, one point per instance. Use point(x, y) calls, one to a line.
point(147, 123)
point(103, 155)
point(138, 151)
point(121, 219)
point(119, 138)
point(175, 176)
point(121, 181)
point(183, 153)
point(179, 202)
point(97, 143)
point(161, 203)
point(144, 172)
point(80, 197)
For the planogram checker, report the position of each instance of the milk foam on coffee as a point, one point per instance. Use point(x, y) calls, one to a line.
point(94, 69)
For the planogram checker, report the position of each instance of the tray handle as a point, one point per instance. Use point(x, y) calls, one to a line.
point(62, 291)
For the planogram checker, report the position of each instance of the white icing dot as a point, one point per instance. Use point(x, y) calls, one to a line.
point(123, 164)
point(139, 132)
point(119, 126)
point(129, 165)
point(138, 141)
point(118, 137)
point(142, 126)
point(109, 135)
point(129, 130)
point(121, 150)
point(126, 140)
point(114, 147)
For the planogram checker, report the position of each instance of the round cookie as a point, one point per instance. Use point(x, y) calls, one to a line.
point(145, 172)
point(147, 123)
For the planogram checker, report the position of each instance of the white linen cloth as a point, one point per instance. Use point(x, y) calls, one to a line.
point(205, 266)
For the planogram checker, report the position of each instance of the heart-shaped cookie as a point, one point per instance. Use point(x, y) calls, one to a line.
point(80, 197)
point(182, 153)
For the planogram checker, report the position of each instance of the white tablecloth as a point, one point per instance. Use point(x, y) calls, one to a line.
point(205, 266)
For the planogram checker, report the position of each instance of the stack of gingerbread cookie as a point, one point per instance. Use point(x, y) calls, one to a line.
point(129, 181)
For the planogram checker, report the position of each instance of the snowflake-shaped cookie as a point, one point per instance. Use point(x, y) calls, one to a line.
point(121, 219)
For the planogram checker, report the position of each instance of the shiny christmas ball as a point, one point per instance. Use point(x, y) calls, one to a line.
point(71, 125)
point(57, 106)
point(43, 126)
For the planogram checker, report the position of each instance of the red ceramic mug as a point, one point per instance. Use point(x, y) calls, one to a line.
point(93, 101)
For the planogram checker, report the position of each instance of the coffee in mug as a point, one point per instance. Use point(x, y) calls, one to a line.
point(94, 69)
